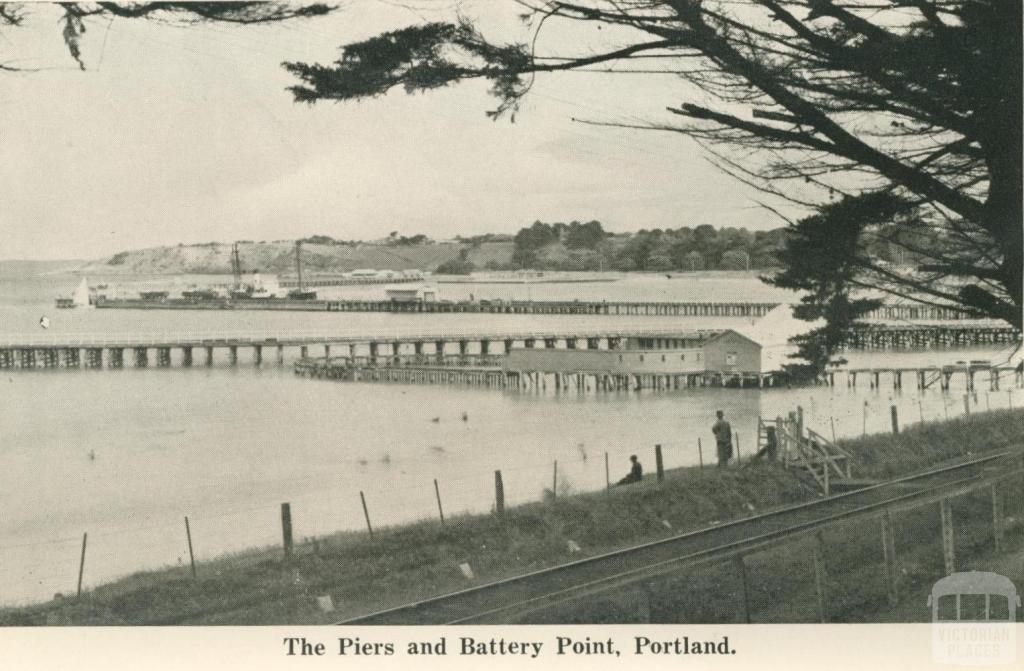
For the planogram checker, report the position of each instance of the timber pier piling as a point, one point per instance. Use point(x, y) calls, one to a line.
point(36, 351)
point(614, 308)
point(488, 371)
point(925, 377)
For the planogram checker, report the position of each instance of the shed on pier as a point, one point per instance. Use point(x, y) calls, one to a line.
point(412, 295)
point(732, 352)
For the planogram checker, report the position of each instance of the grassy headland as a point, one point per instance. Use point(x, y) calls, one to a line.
point(413, 561)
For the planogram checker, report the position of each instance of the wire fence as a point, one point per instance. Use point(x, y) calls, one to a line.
point(39, 568)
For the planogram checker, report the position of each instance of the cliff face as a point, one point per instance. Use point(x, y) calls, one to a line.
point(279, 258)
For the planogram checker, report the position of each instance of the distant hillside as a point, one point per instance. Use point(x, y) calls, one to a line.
point(572, 246)
point(18, 268)
point(279, 257)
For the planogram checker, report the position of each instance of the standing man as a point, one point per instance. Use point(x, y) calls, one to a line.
point(723, 439)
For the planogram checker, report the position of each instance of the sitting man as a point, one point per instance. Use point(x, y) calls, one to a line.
point(636, 473)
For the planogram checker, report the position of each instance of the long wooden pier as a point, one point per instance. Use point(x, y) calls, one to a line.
point(615, 308)
point(488, 371)
point(109, 350)
point(925, 377)
point(919, 336)
point(342, 281)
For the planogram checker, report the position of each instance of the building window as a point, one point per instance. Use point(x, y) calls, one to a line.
point(620, 358)
point(662, 357)
point(641, 357)
point(730, 358)
point(682, 357)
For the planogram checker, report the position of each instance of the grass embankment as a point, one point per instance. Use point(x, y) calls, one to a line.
point(413, 561)
point(781, 580)
point(884, 456)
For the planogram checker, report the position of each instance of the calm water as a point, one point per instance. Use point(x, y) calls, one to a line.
point(226, 446)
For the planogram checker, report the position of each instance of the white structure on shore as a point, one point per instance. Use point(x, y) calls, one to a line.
point(80, 297)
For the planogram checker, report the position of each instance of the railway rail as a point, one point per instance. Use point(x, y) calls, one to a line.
point(507, 600)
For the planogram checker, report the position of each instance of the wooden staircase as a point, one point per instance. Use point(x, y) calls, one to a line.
point(805, 450)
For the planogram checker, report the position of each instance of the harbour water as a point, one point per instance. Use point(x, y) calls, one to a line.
point(124, 455)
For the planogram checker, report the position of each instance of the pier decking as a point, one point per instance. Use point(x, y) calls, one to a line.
point(97, 350)
point(881, 336)
point(616, 308)
point(931, 376)
point(108, 350)
point(488, 371)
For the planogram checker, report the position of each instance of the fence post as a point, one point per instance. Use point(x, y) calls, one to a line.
point(81, 565)
point(948, 542)
point(800, 421)
point(607, 475)
point(659, 464)
point(736, 437)
point(828, 482)
point(832, 420)
point(700, 454)
point(366, 514)
point(741, 569)
point(997, 519)
point(286, 528)
point(967, 404)
point(783, 441)
point(499, 494)
point(191, 555)
point(440, 510)
point(554, 482)
point(820, 577)
point(889, 556)
point(895, 419)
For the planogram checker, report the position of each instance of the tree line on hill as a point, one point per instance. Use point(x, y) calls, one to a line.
point(587, 246)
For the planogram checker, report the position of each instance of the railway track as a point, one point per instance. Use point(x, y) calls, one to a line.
point(504, 600)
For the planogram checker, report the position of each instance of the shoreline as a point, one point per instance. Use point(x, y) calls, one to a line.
point(260, 586)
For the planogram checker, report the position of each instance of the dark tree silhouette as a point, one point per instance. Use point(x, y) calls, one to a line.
point(73, 21)
point(807, 100)
point(821, 255)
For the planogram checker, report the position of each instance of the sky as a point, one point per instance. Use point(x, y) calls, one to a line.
point(179, 134)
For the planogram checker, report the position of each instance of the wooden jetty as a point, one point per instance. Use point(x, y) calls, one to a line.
point(925, 377)
point(615, 308)
point(882, 336)
point(917, 312)
point(489, 371)
point(99, 350)
point(342, 281)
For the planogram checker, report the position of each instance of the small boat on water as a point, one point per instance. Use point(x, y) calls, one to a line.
point(80, 298)
point(302, 293)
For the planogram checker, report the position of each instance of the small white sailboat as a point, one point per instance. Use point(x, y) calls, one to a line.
point(80, 297)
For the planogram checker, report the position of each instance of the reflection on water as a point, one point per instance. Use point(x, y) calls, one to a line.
point(226, 446)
